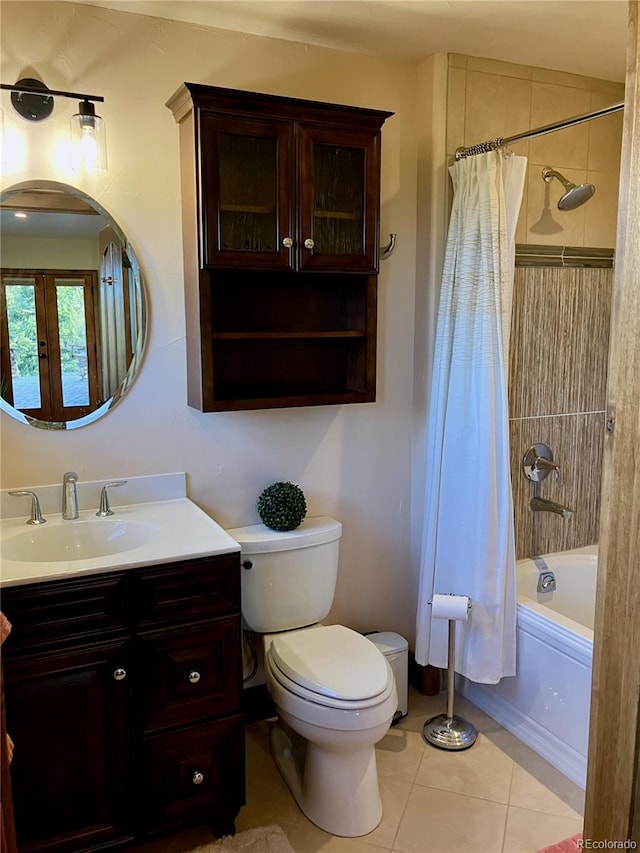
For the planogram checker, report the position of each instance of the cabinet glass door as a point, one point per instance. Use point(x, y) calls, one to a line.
point(248, 181)
point(339, 210)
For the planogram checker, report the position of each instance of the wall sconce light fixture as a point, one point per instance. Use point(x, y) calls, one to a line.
point(33, 100)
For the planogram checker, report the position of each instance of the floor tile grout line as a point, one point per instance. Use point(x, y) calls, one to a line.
point(506, 814)
point(404, 810)
point(465, 794)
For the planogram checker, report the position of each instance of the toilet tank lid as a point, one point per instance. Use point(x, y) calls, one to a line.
point(259, 539)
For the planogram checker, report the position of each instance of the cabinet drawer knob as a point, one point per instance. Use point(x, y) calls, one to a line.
point(197, 778)
point(287, 242)
point(308, 243)
point(120, 674)
point(194, 676)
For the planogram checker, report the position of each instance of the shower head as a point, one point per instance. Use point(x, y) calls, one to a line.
point(574, 195)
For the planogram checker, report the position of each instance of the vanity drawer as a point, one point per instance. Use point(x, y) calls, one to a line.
point(195, 589)
point(64, 612)
point(189, 674)
point(194, 774)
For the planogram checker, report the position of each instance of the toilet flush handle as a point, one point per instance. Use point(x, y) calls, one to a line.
point(247, 564)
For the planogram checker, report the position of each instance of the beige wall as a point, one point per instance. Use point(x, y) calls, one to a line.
point(353, 462)
point(39, 253)
point(488, 99)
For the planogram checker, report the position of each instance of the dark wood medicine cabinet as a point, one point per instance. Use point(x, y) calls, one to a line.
point(280, 209)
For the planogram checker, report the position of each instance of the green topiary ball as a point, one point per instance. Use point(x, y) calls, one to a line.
point(282, 506)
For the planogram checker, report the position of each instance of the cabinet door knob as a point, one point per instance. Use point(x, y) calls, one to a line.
point(287, 242)
point(120, 674)
point(197, 778)
point(194, 676)
point(308, 243)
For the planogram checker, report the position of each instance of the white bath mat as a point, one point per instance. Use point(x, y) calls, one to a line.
point(262, 839)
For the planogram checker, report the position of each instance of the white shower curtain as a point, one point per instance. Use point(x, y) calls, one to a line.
point(468, 536)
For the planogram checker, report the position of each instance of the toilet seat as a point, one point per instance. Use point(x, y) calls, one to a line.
point(330, 665)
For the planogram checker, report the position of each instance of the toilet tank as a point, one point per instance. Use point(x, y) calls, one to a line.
point(288, 578)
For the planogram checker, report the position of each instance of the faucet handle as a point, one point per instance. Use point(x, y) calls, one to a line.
point(105, 508)
point(36, 515)
point(545, 465)
point(538, 462)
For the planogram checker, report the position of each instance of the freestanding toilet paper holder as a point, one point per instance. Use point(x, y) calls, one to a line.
point(448, 731)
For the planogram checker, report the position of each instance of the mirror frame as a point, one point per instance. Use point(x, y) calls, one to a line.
point(138, 357)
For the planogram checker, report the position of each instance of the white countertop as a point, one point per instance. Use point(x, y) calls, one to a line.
point(179, 530)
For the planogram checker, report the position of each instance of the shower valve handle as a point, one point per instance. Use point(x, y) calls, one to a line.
point(538, 462)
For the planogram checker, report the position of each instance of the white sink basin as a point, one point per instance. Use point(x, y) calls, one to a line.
point(82, 539)
point(144, 534)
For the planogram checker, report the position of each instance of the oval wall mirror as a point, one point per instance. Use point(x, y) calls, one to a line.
point(73, 314)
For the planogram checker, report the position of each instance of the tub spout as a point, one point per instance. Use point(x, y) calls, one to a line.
point(543, 505)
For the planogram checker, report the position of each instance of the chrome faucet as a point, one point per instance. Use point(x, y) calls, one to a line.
point(69, 496)
point(543, 505)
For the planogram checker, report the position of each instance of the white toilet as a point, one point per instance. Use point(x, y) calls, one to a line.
point(333, 689)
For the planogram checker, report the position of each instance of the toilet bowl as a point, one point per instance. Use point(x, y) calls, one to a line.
point(333, 689)
point(335, 700)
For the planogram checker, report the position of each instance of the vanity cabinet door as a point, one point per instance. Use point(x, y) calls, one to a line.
point(247, 185)
point(67, 714)
point(339, 199)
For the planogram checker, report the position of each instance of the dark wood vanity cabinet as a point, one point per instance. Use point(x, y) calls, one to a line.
point(281, 203)
point(123, 696)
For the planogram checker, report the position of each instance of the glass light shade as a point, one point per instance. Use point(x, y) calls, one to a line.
point(89, 139)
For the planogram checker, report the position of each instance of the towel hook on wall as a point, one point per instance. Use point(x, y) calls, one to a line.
point(388, 249)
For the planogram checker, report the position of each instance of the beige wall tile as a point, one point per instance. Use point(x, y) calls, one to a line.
point(601, 212)
point(521, 226)
point(457, 60)
point(495, 106)
point(609, 87)
point(495, 66)
point(546, 224)
point(456, 98)
point(605, 137)
point(561, 78)
point(567, 148)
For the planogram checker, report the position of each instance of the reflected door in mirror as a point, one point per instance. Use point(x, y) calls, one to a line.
point(48, 340)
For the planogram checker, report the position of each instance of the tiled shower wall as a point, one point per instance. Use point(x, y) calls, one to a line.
point(560, 327)
point(487, 99)
point(557, 396)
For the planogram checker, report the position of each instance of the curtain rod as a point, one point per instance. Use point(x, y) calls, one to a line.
point(491, 145)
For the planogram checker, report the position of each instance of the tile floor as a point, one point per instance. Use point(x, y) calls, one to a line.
point(497, 797)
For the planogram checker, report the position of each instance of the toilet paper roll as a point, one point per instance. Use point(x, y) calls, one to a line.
point(450, 606)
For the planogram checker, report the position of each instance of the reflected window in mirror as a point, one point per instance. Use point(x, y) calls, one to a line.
point(73, 307)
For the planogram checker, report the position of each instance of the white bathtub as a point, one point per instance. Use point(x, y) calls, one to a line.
point(546, 704)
